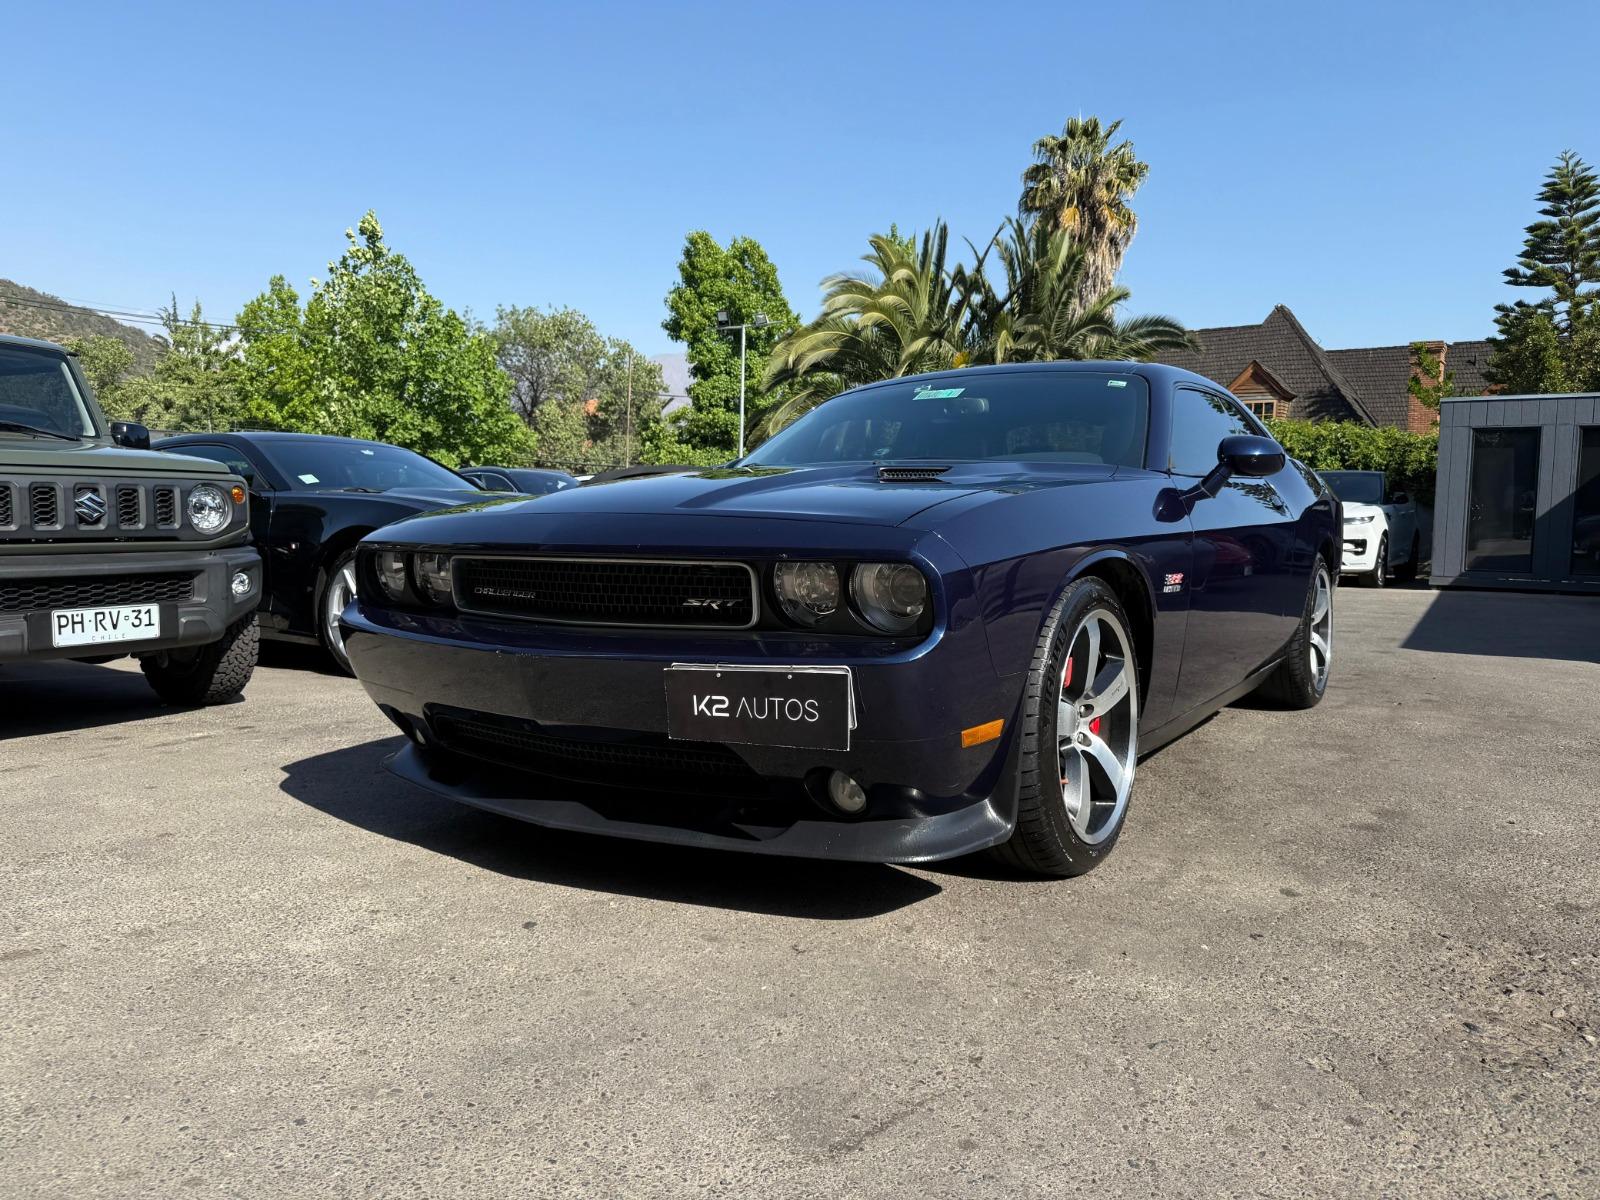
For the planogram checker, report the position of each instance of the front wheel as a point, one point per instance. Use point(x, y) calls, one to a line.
point(1379, 574)
point(1080, 737)
point(1302, 677)
point(335, 589)
point(211, 674)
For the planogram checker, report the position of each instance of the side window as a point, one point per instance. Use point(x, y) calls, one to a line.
point(226, 455)
point(1200, 420)
point(492, 481)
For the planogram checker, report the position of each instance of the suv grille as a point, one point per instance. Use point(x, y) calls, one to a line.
point(33, 595)
point(8, 514)
point(609, 592)
point(166, 505)
point(44, 505)
point(128, 507)
point(645, 761)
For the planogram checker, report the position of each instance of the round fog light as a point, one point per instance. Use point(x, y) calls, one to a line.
point(240, 583)
point(846, 794)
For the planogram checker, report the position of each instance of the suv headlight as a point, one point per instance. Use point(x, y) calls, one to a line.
point(807, 591)
point(891, 596)
point(1364, 519)
point(208, 508)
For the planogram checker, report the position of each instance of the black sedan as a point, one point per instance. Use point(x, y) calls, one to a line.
point(530, 481)
point(312, 499)
point(934, 615)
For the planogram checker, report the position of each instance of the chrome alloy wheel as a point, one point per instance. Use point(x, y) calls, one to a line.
point(1319, 640)
point(341, 590)
point(1097, 725)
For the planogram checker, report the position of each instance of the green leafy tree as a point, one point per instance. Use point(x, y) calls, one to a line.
point(589, 399)
point(193, 386)
point(1410, 459)
point(104, 362)
point(742, 281)
point(1084, 185)
point(373, 354)
point(1552, 344)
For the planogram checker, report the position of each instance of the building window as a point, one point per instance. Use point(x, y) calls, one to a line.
point(1503, 481)
point(1586, 505)
point(1265, 409)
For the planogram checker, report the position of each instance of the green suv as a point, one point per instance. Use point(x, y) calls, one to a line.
point(108, 548)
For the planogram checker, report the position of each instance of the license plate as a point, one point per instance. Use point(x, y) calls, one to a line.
point(803, 707)
point(93, 626)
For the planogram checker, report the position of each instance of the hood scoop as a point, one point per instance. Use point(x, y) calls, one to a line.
point(910, 474)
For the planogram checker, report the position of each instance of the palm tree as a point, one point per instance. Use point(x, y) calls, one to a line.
point(1083, 185)
point(908, 314)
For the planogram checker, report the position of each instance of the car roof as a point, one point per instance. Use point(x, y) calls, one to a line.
point(1155, 372)
point(272, 435)
point(16, 339)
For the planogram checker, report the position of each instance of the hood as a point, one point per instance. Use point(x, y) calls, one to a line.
point(21, 454)
point(849, 493)
point(429, 498)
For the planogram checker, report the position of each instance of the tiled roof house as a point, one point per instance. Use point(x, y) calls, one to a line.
point(1279, 370)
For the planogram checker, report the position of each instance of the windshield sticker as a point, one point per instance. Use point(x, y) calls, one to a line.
point(927, 393)
point(309, 479)
point(1116, 383)
point(368, 453)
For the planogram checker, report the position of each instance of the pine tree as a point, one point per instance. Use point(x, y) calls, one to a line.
point(1562, 251)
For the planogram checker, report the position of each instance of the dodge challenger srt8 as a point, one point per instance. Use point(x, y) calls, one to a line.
point(933, 615)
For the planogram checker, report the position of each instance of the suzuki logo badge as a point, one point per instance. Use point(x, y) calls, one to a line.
point(91, 509)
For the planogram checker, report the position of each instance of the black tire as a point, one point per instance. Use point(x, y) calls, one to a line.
point(327, 579)
point(210, 674)
point(1406, 572)
point(1295, 684)
point(1044, 841)
point(1379, 575)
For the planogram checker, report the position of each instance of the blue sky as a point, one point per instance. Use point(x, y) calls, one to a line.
point(1370, 165)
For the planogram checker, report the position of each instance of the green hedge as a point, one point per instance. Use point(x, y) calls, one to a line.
point(1411, 459)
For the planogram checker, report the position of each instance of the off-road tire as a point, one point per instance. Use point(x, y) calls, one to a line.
point(1044, 842)
point(1293, 684)
point(210, 674)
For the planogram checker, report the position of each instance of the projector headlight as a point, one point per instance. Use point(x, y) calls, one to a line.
point(891, 596)
point(432, 573)
point(208, 508)
point(807, 591)
point(391, 572)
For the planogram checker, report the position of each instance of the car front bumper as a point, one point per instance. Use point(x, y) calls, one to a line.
point(1360, 552)
point(585, 694)
point(201, 618)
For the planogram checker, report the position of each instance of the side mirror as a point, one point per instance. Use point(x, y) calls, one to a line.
point(130, 434)
point(1400, 498)
point(1251, 456)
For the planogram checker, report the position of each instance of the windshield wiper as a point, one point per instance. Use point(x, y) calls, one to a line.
point(19, 427)
point(363, 489)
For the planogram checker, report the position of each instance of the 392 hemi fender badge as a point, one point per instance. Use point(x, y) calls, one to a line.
point(1173, 582)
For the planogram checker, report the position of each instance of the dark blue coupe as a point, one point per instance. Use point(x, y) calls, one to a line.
point(934, 615)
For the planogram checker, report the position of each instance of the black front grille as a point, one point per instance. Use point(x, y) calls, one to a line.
point(166, 506)
point(128, 506)
point(609, 592)
point(644, 761)
point(8, 514)
point(44, 505)
point(34, 595)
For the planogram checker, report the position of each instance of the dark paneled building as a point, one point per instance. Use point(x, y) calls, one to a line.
point(1518, 503)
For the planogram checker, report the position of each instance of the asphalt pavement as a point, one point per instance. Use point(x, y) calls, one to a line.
point(1348, 952)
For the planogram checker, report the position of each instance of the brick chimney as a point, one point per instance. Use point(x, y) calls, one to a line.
point(1420, 418)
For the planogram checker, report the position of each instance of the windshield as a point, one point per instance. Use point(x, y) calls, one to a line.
point(1034, 416)
point(37, 389)
point(1358, 487)
point(367, 466)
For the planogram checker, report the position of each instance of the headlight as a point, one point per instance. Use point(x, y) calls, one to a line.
point(433, 577)
point(891, 596)
point(208, 508)
point(807, 591)
point(391, 565)
point(1363, 520)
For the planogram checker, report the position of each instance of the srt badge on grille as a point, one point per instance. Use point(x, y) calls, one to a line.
point(707, 602)
point(91, 509)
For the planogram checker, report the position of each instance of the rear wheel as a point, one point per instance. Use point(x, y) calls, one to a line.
point(1379, 575)
point(1080, 737)
point(1302, 676)
point(211, 674)
point(335, 589)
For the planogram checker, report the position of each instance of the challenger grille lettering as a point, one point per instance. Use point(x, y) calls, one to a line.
point(708, 602)
point(505, 593)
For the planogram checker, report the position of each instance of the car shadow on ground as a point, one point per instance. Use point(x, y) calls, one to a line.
point(42, 698)
point(297, 656)
point(1509, 625)
point(351, 785)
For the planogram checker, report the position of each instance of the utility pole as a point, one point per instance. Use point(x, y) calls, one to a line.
point(759, 322)
point(627, 428)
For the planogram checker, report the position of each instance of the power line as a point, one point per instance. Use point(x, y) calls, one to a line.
point(126, 315)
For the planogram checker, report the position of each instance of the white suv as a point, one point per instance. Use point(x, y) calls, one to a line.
point(1380, 527)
